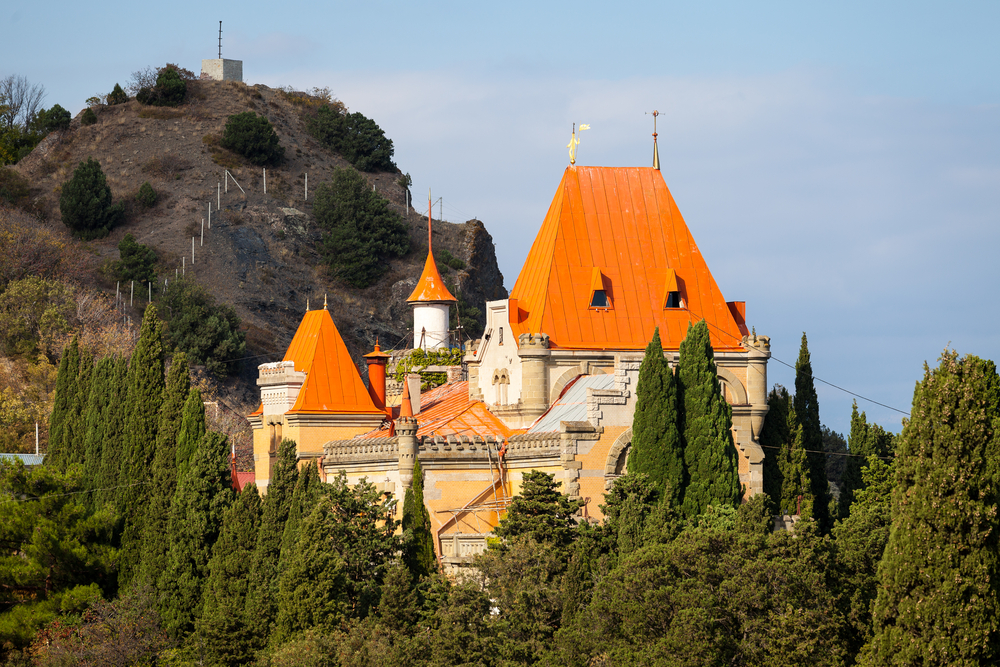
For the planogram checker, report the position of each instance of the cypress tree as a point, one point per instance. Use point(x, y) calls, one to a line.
point(418, 554)
point(656, 448)
point(96, 416)
point(224, 626)
point(69, 368)
point(709, 452)
point(262, 605)
point(204, 493)
point(773, 436)
point(112, 434)
point(141, 417)
point(865, 440)
point(806, 406)
point(154, 543)
point(307, 489)
point(74, 433)
point(191, 431)
point(940, 574)
point(795, 483)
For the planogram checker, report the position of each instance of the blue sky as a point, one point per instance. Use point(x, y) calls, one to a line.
point(839, 165)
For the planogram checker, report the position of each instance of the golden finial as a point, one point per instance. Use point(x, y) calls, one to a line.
point(307, 304)
point(656, 152)
point(324, 300)
point(574, 142)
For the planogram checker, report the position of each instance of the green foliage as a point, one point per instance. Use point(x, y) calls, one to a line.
point(117, 96)
point(445, 257)
point(204, 493)
point(540, 512)
point(357, 138)
point(54, 549)
point(62, 403)
point(938, 581)
point(418, 550)
point(226, 630)
point(85, 203)
point(806, 406)
point(262, 598)
point(155, 542)
point(788, 476)
point(361, 232)
point(54, 119)
point(169, 91)
point(96, 416)
point(13, 186)
point(866, 440)
point(146, 195)
point(253, 137)
point(709, 452)
point(419, 359)
point(73, 445)
point(304, 497)
point(35, 312)
point(88, 117)
point(657, 450)
point(141, 418)
point(138, 262)
point(192, 429)
point(111, 434)
point(210, 334)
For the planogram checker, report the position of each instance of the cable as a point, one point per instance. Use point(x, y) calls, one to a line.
point(814, 451)
point(73, 493)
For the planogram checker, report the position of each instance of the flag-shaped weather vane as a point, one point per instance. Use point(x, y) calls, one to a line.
point(574, 142)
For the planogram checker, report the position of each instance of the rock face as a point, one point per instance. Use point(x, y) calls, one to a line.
point(482, 280)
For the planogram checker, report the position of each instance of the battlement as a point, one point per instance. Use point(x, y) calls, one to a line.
point(533, 340)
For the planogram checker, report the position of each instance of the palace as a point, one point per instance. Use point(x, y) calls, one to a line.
point(549, 386)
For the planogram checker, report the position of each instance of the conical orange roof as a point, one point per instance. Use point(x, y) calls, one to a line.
point(622, 226)
point(430, 287)
point(332, 383)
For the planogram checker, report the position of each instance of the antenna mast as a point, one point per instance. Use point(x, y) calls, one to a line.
point(220, 40)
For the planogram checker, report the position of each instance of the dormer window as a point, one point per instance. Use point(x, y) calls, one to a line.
point(673, 300)
point(599, 285)
point(599, 299)
point(672, 291)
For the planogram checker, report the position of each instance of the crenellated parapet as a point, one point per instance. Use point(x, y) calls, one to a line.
point(361, 450)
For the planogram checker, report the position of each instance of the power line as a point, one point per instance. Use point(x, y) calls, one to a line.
point(73, 493)
point(815, 451)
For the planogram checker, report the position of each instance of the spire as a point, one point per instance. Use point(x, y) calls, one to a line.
point(405, 409)
point(430, 250)
point(307, 304)
point(656, 152)
point(324, 301)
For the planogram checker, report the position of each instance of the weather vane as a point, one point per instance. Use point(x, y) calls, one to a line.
point(574, 142)
point(656, 153)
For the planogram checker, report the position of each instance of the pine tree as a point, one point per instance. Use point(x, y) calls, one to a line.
point(541, 512)
point(204, 493)
point(96, 419)
point(806, 406)
point(304, 497)
point(656, 449)
point(155, 541)
point(262, 605)
point(418, 554)
point(74, 434)
point(69, 368)
point(939, 578)
point(224, 626)
point(191, 431)
point(112, 434)
point(141, 417)
point(709, 452)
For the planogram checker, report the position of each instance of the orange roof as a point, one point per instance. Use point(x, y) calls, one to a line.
point(332, 383)
point(447, 410)
point(430, 286)
point(618, 228)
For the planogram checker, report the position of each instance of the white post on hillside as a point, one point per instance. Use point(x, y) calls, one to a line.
point(36, 438)
point(117, 285)
point(209, 214)
point(218, 197)
point(131, 295)
point(307, 188)
point(203, 231)
point(149, 299)
point(227, 181)
point(192, 251)
point(183, 266)
point(265, 180)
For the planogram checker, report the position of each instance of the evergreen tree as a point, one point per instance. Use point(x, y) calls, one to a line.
point(773, 436)
point(304, 497)
point(155, 541)
point(806, 406)
point(657, 450)
point(69, 368)
point(204, 493)
point(192, 428)
point(865, 440)
point(96, 417)
point(262, 605)
point(112, 434)
point(540, 512)
point(75, 425)
point(709, 452)
point(418, 554)
point(141, 417)
point(796, 489)
point(939, 578)
point(224, 626)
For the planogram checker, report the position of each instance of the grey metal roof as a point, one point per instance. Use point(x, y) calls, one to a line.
point(27, 459)
point(572, 406)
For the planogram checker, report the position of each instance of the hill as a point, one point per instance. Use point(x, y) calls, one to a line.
point(261, 254)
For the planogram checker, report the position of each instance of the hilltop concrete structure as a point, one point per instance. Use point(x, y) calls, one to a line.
point(550, 385)
point(221, 69)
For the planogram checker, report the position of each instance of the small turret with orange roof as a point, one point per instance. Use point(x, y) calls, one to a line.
point(430, 300)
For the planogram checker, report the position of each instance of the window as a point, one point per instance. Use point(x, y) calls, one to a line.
point(501, 336)
point(673, 300)
point(599, 299)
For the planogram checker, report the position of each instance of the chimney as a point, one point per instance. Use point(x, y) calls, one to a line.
point(376, 375)
point(405, 407)
point(413, 384)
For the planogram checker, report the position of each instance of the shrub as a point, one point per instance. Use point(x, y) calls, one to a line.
point(361, 232)
point(137, 261)
point(210, 334)
point(85, 203)
point(450, 260)
point(88, 117)
point(13, 187)
point(253, 137)
point(146, 195)
point(169, 90)
point(55, 118)
point(357, 138)
point(117, 96)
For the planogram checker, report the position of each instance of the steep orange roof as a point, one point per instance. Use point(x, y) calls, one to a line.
point(430, 287)
point(620, 229)
point(332, 383)
point(447, 410)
